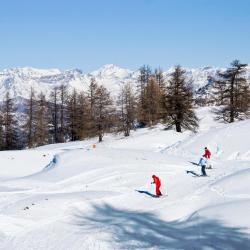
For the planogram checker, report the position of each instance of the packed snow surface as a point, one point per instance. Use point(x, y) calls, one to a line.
point(76, 196)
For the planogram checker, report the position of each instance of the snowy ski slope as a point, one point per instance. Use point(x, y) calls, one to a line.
point(74, 196)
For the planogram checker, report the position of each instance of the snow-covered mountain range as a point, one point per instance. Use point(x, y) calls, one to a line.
point(18, 81)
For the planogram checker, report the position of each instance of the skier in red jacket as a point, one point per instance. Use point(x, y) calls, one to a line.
point(207, 153)
point(157, 182)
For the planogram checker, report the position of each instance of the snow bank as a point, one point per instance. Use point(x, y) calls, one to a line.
point(232, 214)
point(234, 185)
point(22, 163)
point(228, 142)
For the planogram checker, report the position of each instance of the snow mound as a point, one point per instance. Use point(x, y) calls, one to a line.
point(16, 164)
point(234, 185)
point(229, 214)
point(228, 142)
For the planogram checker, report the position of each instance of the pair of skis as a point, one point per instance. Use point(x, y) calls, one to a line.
point(150, 194)
point(195, 174)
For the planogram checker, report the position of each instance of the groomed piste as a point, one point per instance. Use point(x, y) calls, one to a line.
point(76, 196)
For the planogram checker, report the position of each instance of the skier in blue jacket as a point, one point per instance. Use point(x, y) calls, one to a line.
point(203, 163)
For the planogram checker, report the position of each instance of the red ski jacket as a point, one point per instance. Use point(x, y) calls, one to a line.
point(207, 154)
point(157, 180)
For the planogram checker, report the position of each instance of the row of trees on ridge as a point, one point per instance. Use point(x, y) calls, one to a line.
point(70, 115)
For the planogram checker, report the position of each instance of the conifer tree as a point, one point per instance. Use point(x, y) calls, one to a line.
point(103, 111)
point(143, 80)
point(152, 104)
point(42, 121)
point(231, 90)
point(54, 112)
point(160, 80)
point(91, 100)
point(127, 109)
point(82, 116)
point(29, 126)
point(62, 112)
point(72, 110)
point(179, 102)
point(10, 135)
point(218, 91)
point(1, 131)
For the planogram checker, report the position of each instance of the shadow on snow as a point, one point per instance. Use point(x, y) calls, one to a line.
point(147, 193)
point(143, 230)
point(192, 172)
point(194, 163)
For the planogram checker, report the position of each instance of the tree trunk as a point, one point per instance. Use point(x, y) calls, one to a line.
point(100, 132)
point(100, 137)
point(178, 126)
point(126, 132)
point(232, 104)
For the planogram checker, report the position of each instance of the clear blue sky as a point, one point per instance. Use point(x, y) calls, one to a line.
point(87, 34)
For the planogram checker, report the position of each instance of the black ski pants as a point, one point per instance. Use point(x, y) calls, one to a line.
point(203, 170)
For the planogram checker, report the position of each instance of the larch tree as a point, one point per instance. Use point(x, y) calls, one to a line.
point(231, 90)
point(160, 80)
point(179, 102)
point(143, 80)
point(152, 102)
point(29, 126)
point(9, 124)
point(91, 103)
point(82, 116)
point(218, 96)
point(103, 112)
point(126, 109)
point(63, 95)
point(72, 110)
point(54, 113)
point(42, 121)
point(1, 131)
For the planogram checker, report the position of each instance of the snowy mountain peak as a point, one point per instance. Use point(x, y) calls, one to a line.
point(30, 72)
point(111, 70)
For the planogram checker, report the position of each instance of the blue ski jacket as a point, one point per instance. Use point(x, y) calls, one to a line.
point(203, 161)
